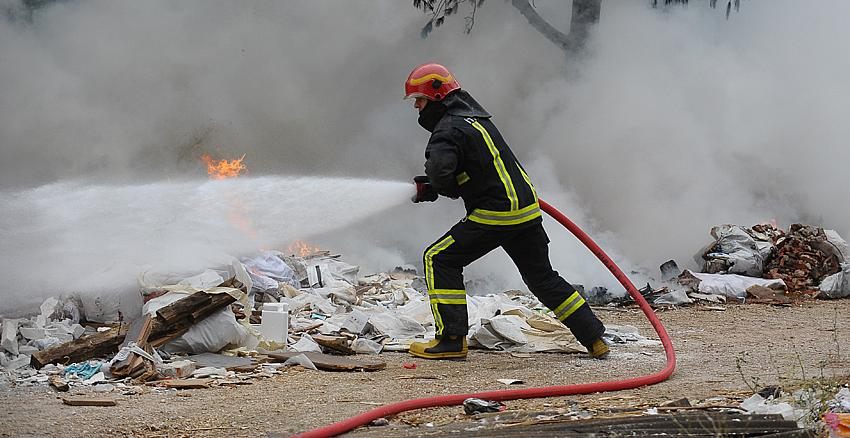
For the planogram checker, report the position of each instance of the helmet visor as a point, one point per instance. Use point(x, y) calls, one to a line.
point(415, 95)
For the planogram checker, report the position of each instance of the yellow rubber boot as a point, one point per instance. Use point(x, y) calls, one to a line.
point(448, 347)
point(598, 349)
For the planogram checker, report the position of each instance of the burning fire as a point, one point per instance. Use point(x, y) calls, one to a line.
point(302, 248)
point(222, 169)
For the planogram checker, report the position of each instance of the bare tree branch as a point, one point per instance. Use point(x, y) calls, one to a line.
point(585, 14)
point(554, 35)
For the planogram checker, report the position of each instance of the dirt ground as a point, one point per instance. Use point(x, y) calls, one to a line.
point(720, 354)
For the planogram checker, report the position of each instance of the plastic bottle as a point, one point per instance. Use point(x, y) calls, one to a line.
point(275, 323)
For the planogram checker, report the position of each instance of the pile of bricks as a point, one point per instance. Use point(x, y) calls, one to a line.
point(802, 259)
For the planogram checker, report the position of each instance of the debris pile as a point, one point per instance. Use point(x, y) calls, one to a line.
point(821, 408)
point(256, 315)
point(761, 264)
point(803, 258)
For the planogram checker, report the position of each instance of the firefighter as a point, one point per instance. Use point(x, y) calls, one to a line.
point(467, 158)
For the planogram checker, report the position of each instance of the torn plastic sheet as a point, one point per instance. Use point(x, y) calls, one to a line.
point(673, 298)
point(207, 279)
point(735, 251)
point(838, 246)
point(517, 331)
point(836, 285)
point(301, 360)
point(621, 334)
point(132, 347)
point(366, 346)
point(510, 328)
point(103, 308)
point(331, 272)
point(418, 310)
point(124, 353)
point(394, 325)
point(354, 321)
point(312, 300)
point(68, 307)
point(267, 270)
point(732, 285)
point(757, 404)
point(306, 344)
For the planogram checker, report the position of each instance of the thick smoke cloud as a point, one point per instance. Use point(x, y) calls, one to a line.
point(684, 120)
point(675, 121)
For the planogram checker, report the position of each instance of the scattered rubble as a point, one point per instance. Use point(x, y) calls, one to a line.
point(803, 258)
point(760, 264)
point(249, 320)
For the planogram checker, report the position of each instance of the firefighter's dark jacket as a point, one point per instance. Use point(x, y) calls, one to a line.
point(467, 157)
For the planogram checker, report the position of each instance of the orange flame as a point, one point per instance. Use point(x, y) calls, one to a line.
point(302, 248)
point(222, 169)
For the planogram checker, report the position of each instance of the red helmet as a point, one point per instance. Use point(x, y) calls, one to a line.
point(431, 81)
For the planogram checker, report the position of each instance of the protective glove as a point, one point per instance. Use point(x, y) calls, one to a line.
point(424, 190)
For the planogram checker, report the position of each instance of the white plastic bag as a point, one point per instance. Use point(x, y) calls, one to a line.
point(836, 285)
point(267, 270)
point(732, 285)
point(209, 335)
point(735, 251)
point(367, 346)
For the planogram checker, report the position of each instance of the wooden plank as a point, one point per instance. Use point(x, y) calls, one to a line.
point(138, 333)
point(328, 362)
point(339, 344)
point(183, 306)
point(83, 348)
point(163, 331)
point(217, 302)
point(78, 401)
point(187, 383)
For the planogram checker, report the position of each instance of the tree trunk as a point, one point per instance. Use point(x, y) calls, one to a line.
point(585, 14)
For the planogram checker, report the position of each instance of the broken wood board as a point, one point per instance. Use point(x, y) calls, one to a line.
point(58, 383)
point(79, 401)
point(81, 349)
point(160, 332)
point(187, 383)
point(328, 362)
point(764, 295)
point(339, 344)
point(138, 333)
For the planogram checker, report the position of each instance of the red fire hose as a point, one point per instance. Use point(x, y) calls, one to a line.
point(547, 391)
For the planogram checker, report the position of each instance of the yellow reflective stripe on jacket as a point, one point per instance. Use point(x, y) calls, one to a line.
point(429, 259)
point(499, 164)
point(491, 217)
point(528, 181)
point(569, 306)
point(447, 296)
point(462, 178)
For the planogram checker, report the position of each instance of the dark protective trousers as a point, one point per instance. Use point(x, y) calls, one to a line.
point(528, 247)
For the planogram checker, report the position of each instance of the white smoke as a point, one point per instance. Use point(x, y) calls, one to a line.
point(677, 120)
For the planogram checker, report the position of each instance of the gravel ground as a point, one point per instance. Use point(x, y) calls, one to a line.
point(716, 350)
